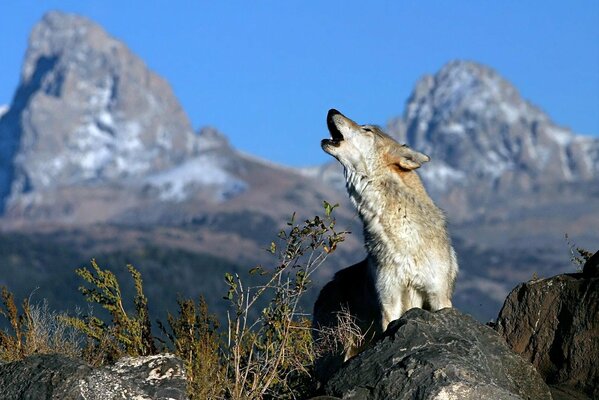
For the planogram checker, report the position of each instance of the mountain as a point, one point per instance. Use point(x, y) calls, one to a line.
point(87, 110)
point(495, 156)
point(477, 125)
point(481, 133)
point(98, 159)
point(93, 136)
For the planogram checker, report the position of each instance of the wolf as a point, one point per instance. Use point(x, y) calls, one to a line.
point(410, 261)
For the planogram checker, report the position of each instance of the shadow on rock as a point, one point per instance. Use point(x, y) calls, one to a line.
point(440, 355)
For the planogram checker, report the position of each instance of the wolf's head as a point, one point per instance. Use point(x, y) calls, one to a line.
point(365, 149)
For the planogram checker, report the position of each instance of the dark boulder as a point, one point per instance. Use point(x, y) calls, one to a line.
point(440, 355)
point(554, 324)
point(50, 377)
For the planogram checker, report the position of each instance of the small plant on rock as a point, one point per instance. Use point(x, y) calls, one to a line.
point(578, 255)
point(126, 334)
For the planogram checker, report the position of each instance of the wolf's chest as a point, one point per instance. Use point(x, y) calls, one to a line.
point(400, 254)
point(402, 270)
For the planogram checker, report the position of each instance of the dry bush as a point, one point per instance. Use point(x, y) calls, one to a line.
point(12, 345)
point(36, 330)
point(341, 337)
point(270, 355)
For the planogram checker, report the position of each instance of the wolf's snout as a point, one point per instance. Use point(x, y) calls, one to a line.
point(332, 113)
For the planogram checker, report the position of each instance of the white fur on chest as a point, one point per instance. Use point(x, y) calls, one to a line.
point(393, 237)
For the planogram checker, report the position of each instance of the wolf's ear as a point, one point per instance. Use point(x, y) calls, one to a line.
point(407, 158)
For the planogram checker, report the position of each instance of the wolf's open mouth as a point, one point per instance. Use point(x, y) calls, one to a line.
point(336, 136)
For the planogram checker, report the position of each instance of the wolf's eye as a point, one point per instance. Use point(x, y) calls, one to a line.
point(367, 129)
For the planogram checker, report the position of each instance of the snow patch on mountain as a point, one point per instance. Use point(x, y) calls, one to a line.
point(176, 183)
point(3, 110)
point(561, 136)
point(440, 176)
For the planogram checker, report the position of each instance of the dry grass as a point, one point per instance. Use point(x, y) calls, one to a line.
point(35, 330)
point(344, 337)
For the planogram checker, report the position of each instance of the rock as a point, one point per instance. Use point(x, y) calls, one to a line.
point(591, 267)
point(440, 355)
point(59, 377)
point(42, 377)
point(554, 324)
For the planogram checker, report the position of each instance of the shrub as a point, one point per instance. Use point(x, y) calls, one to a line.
point(126, 334)
point(194, 336)
point(271, 354)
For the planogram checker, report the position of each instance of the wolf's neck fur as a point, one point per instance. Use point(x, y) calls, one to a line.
point(395, 211)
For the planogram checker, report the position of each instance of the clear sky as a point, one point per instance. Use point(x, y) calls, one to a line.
point(266, 72)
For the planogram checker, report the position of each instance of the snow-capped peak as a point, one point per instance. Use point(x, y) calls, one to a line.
point(94, 111)
point(474, 121)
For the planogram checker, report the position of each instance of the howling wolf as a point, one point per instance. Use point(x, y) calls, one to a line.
point(410, 261)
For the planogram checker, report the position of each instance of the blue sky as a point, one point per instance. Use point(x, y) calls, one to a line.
point(266, 72)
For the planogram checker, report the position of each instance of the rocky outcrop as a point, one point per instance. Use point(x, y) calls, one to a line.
point(554, 324)
point(55, 377)
point(440, 355)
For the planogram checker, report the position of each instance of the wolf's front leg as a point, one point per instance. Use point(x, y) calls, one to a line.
point(390, 312)
point(439, 301)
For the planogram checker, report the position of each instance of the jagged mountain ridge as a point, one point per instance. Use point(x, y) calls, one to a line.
point(474, 122)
